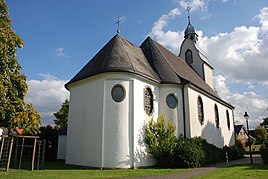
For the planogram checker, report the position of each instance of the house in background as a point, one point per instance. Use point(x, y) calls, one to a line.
point(241, 134)
point(123, 86)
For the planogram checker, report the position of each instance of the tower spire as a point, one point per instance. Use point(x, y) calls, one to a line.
point(189, 32)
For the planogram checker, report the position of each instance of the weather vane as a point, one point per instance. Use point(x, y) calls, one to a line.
point(118, 25)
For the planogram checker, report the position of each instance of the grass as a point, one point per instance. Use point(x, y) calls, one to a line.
point(257, 171)
point(58, 170)
point(255, 149)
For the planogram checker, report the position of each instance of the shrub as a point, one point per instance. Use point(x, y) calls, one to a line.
point(241, 148)
point(235, 151)
point(212, 153)
point(189, 153)
point(170, 151)
point(264, 153)
point(162, 141)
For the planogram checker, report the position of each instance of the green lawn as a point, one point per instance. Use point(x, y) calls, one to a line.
point(58, 170)
point(257, 171)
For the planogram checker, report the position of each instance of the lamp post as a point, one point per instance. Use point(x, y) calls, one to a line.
point(246, 116)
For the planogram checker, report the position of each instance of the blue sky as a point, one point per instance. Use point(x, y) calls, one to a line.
point(62, 36)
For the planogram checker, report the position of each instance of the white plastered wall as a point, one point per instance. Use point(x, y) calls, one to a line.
point(106, 134)
point(208, 75)
point(174, 115)
point(218, 136)
point(117, 126)
point(84, 137)
point(61, 151)
point(141, 157)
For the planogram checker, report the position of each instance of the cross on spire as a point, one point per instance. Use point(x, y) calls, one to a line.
point(118, 25)
point(188, 9)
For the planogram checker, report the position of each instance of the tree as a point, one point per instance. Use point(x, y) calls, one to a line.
point(261, 134)
point(13, 85)
point(62, 115)
point(265, 123)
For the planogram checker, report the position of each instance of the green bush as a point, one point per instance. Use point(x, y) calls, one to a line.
point(241, 148)
point(162, 141)
point(235, 151)
point(170, 151)
point(189, 154)
point(264, 153)
point(212, 153)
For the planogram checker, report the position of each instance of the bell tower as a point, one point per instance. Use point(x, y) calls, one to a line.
point(193, 55)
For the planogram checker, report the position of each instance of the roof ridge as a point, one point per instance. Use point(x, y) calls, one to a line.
point(164, 56)
point(120, 39)
point(158, 62)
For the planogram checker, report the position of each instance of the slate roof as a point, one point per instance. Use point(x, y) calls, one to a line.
point(151, 60)
point(118, 55)
point(237, 129)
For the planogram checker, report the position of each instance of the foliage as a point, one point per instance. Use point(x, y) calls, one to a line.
point(161, 140)
point(62, 115)
point(240, 147)
point(264, 152)
point(170, 151)
point(13, 85)
point(261, 134)
point(212, 153)
point(189, 153)
point(29, 120)
point(265, 123)
point(51, 135)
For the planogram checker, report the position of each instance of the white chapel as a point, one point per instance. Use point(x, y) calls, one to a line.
point(123, 86)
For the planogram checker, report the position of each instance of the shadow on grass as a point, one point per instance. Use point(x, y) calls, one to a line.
point(48, 165)
point(251, 166)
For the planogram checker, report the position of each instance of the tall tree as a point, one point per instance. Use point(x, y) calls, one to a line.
point(261, 134)
point(265, 123)
point(13, 85)
point(62, 115)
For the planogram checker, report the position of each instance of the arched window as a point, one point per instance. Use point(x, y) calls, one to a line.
point(200, 110)
point(148, 101)
point(228, 119)
point(217, 120)
point(189, 56)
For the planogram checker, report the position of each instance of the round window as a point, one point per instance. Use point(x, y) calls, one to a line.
point(172, 101)
point(118, 93)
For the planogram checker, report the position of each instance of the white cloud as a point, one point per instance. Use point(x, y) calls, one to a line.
point(248, 101)
point(47, 95)
point(263, 16)
point(194, 4)
point(60, 52)
point(239, 58)
point(170, 39)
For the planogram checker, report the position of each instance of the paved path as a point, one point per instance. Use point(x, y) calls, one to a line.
point(203, 170)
